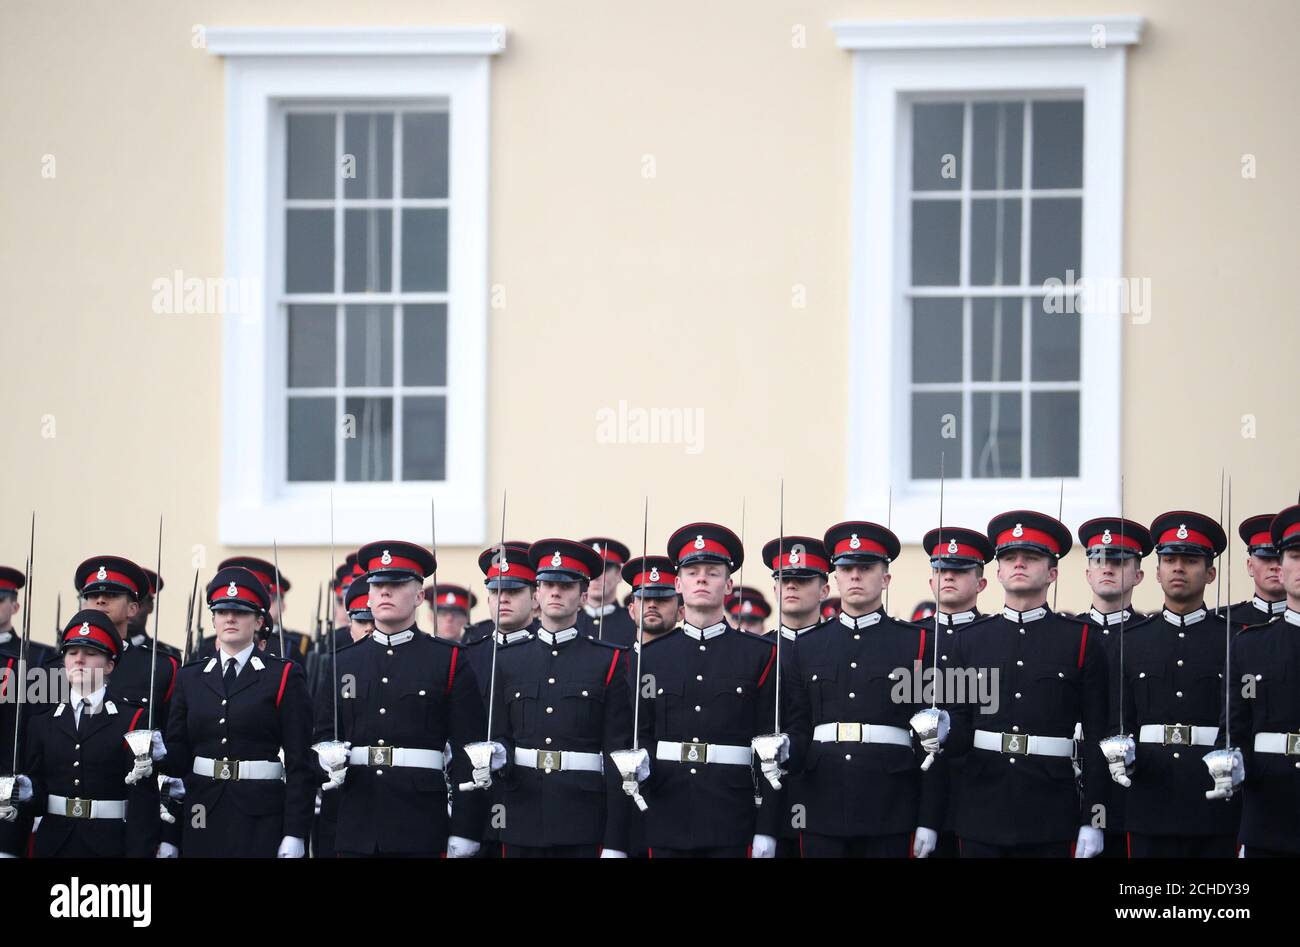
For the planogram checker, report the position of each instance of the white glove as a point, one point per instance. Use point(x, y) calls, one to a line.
point(1089, 843)
point(24, 787)
point(612, 853)
point(498, 756)
point(923, 842)
point(458, 847)
point(1228, 769)
point(763, 846)
point(334, 758)
point(140, 770)
point(932, 744)
point(642, 765)
point(172, 786)
point(291, 847)
point(168, 850)
point(8, 813)
point(157, 749)
point(1242, 853)
point(335, 780)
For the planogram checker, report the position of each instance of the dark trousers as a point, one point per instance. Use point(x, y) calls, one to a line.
point(390, 855)
point(788, 848)
point(1116, 844)
point(725, 851)
point(549, 851)
point(1181, 846)
point(946, 846)
point(972, 849)
point(1253, 851)
point(857, 846)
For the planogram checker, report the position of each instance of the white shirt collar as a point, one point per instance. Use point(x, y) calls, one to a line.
point(1267, 607)
point(1023, 618)
point(1292, 616)
point(790, 634)
point(1109, 618)
point(1191, 618)
point(704, 633)
point(240, 659)
point(139, 638)
point(388, 641)
point(510, 637)
point(96, 700)
point(861, 621)
point(595, 612)
point(6, 637)
point(956, 618)
point(557, 637)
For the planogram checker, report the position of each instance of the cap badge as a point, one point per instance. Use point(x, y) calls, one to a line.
point(232, 590)
point(557, 559)
point(504, 566)
point(84, 629)
point(854, 542)
point(794, 558)
point(596, 546)
point(699, 542)
point(451, 597)
point(386, 559)
point(1106, 538)
point(746, 608)
point(952, 546)
point(1182, 531)
point(1018, 531)
point(654, 574)
point(102, 574)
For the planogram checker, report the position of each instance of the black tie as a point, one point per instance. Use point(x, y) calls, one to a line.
point(83, 708)
point(231, 673)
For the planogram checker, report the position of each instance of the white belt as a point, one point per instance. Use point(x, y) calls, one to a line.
point(550, 761)
point(238, 769)
point(861, 733)
point(1023, 744)
point(395, 756)
point(86, 808)
point(1177, 734)
point(1287, 743)
point(703, 753)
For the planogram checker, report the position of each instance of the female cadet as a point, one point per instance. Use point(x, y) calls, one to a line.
point(231, 717)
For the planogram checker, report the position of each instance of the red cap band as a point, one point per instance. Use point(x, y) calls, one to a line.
point(864, 545)
point(960, 549)
point(704, 545)
point(88, 632)
point(242, 593)
point(377, 564)
point(452, 600)
point(1125, 542)
point(512, 570)
point(1191, 536)
point(805, 561)
point(117, 577)
point(1291, 530)
point(664, 578)
point(571, 565)
point(1028, 536)
point(6, 584)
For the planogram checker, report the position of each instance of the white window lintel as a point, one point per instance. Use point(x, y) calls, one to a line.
point(860, 35)
point(356, 41)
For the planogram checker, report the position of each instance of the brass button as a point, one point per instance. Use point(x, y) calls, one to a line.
point(549, 680)
point(421, 693)
point(1015, 729)
point(584, 693)
point(390, 650)
point(383, 680)
point(381, 742)
point(223, 740)
point(692, 770)
point(699, 677)
point(222, 720)
point(380, 772)
point(848, 756)
point(697, 708)
point(852, 695)
point(550, 710)
point(702, 648)
point(548, 740)
point(853, 664)
point(1180, 662)
point(1020, 664)
point(383, 710)
point(1013, 759)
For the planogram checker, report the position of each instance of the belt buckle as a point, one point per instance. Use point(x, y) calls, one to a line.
point(848, 733)
point(548, 761)
point(1017, 743)
point(379, 756)
point(77, 808)
point(1178, 735)
point(695, 752)
point(225, 769)
point(1293, 744)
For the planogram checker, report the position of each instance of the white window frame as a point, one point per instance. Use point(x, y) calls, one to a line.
point(264, 69)
point(895, 62)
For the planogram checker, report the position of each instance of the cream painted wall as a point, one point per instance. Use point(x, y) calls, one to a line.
point(671, 292)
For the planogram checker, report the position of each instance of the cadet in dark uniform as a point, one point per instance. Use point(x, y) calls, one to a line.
point(14, 833)
point(562, 705)
point(714, 692)
point(602, 596)
point(1017, 794)
point(748, 610)
point(1264, 704)
point(1264, 565)
point(404, 696)
point(861, 785)
point(1115, 550)
point(295, 642)
point(957, 560)
point(94, 799)
point(453, 605)
point(518, 562)
point(115, 586)
point(233, 717)
point(1172, 700)
point(138, 629)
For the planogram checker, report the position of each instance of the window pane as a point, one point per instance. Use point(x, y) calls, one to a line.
point(1054, 355)
point(998, 142)
point(311, 346)
point(1056, 227)
point(311, 439)
point(424, 250)
point(1054, 421)
point(995, 242)
point(368, 138)
point(995, 433)
point(368, 251)
point(936, 428)
point(996, 339)
point(936, 243)
point(424, 345)
point(936, 147)
point(936, 340)
point(368, 341)
point(424, 438)
point(310, 165)
point(1058, 144)
point(368, 454)
point(309, 251)
point(424, 154)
